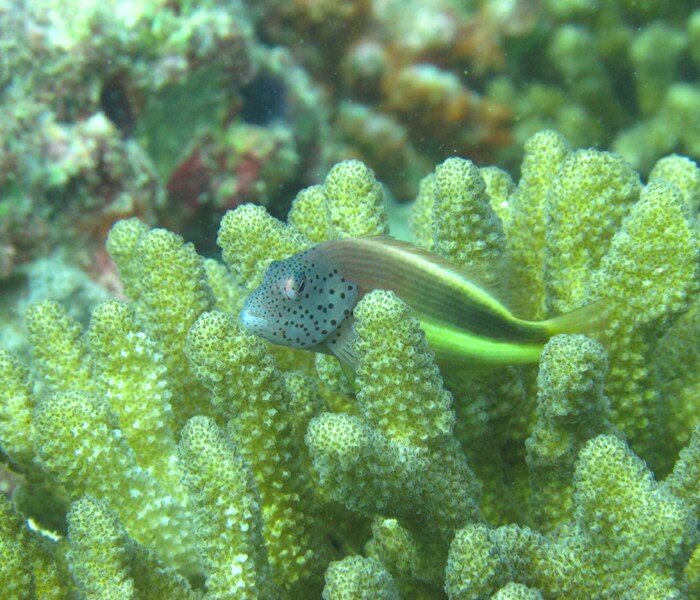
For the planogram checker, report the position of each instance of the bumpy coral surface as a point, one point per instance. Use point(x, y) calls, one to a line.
point(163, 451)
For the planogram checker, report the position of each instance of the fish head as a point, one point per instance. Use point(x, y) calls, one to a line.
point(300, 303)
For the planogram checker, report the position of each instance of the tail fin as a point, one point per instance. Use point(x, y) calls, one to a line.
point(588, 319)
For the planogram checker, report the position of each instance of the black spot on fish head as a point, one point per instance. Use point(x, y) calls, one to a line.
point(265, 310)
point(299, 302)
point(327, 308)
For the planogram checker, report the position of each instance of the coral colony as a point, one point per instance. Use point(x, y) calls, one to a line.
point(153, 446)
point(167, 452)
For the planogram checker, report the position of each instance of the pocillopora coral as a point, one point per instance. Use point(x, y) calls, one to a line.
point(630, 537)
point(106, 563)
point(230, 540)
point(28, 568)
point(358, 578)
point(167, 452)
point(571, 409)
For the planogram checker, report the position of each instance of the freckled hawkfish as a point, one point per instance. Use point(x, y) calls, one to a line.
point(306, 301)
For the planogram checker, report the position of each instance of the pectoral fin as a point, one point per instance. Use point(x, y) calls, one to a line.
point(341, 344)
point(349, 372)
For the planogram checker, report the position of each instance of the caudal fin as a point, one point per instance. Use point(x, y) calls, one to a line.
point(588, 319)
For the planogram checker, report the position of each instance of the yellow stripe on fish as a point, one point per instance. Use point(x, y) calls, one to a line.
point(307, 300)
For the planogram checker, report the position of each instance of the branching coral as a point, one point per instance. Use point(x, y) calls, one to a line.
point(629, 537)
point(104, 562)
point(610, 78)
point(247, 387)
point(361, 578)
point(571, 409)
point(166, 452)
point(230, 540)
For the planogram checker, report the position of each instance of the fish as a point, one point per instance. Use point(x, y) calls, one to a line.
point(307, 301)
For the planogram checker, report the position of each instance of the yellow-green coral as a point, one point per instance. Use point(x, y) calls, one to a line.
point(678, 376)
point(78, 441)
point(499, 187)
point(354, 200)
point(644, 525)
point(462, 211)
point(412, 564)
point(131, 377)
point(583, 209)
point(400, 391)
point(349, 203)
point(228, 295)
point(122, 244)
point(571, 409)
point(15, 570)
point(684, 480)
point(312, 200)
point(517, 591)
point(99, 560)
point(422, 213)
point(474, 563)
point(358, 578)
point(250, 239)
point(153, 264)
point(248, 389)
point(692, 573)
point(284, 472)
point(59, 354)
point(106, 563)
point(453, 206)
point(230, 540)
point(525, 223)
point(649, 275)
point(15, 411)
point(27, 569)
point(684, 174)
point(400, 458)
point(629, 537)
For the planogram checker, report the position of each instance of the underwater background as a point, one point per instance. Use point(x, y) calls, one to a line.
point(156, 156)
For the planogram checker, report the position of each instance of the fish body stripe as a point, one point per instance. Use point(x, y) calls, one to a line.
point(455, 347)
point(435, 290)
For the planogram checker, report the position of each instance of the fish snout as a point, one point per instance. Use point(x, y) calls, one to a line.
point(253, 322)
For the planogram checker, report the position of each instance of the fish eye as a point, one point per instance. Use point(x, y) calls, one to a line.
point(294, 286)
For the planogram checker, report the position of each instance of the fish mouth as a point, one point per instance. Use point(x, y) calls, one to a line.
point(251, 321)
